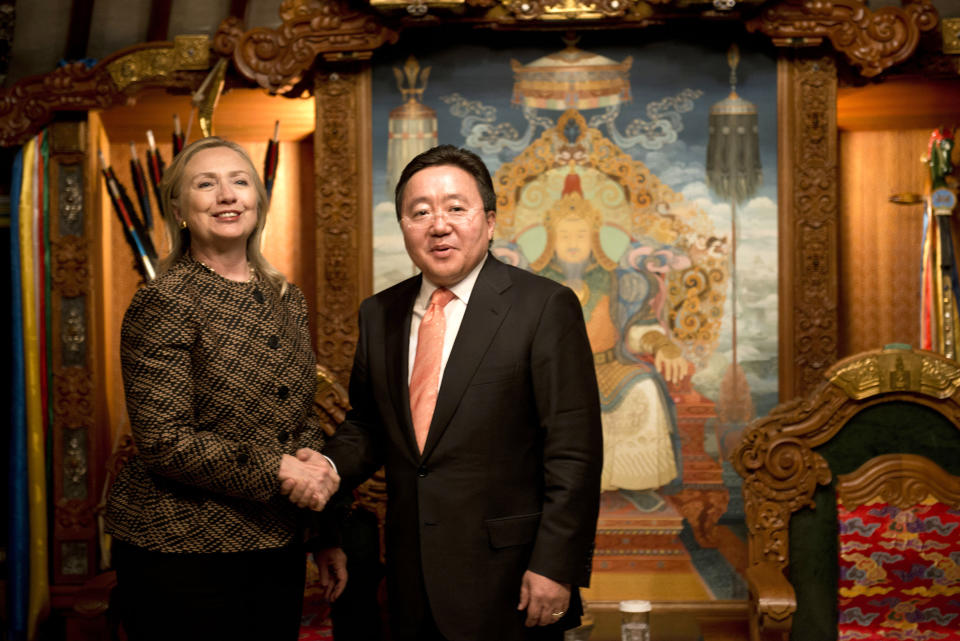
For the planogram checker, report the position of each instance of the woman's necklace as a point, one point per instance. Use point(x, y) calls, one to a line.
point(250, 271)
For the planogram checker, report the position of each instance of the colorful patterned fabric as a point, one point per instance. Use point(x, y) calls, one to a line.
point(899, 572)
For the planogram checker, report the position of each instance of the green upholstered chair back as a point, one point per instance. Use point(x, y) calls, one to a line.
point(887, 401)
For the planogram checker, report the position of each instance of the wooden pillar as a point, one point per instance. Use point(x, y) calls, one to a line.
point(342, 153)
point(808, 197)
point(77, 442)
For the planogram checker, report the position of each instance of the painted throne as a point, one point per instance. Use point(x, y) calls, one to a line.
point(862, 454)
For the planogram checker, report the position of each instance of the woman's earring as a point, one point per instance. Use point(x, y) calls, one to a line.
point(183, 224)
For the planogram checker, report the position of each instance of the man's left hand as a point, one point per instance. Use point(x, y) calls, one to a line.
point(545, 600)
point(332, 563)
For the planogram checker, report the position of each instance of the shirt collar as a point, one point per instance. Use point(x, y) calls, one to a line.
point(461, 290)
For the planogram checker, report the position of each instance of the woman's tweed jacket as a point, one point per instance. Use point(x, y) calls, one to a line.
point(219, 379)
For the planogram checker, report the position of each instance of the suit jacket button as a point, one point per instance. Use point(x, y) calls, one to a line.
point(283, 392)
point(283, 436)
point(243, 459)
point(258, 295)
point(273, 342)
point(421, 471)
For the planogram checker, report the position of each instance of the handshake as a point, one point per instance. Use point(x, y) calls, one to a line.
point(308, 479)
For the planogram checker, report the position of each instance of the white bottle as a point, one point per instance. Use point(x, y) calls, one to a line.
point(635, 620)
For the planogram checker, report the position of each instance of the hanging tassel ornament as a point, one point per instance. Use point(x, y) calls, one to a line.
point(734, 173)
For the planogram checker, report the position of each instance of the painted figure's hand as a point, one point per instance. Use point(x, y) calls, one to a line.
point(545, 600)
point(673, 369)
point(308, 479)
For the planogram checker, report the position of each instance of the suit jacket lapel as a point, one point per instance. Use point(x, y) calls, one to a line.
point(485, 313)
point(397, 351)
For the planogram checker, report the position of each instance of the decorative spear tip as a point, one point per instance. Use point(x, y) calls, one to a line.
point(276, 131)
point(133, 150)
point(151, 141)
point(101, 160)
point(176, 124)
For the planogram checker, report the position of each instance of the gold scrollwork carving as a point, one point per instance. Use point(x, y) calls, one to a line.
point(896, 370)
point(191, 53)
point(141, 65)
point(187, 53)
point(950, 30)
point(577, 9)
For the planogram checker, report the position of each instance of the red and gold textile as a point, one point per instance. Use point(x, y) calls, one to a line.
point(899, 572)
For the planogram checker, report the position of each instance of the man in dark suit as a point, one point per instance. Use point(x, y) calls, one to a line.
point(474, 384)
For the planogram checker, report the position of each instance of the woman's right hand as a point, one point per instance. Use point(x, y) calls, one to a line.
point(308, 479)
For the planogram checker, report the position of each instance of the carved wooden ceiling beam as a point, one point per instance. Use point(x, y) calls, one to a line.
point(32, 102)
point(871, 40)
point(277, 59)
point(345, 30)
point(340, 30)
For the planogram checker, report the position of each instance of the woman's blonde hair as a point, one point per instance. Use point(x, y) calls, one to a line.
point(180, 238)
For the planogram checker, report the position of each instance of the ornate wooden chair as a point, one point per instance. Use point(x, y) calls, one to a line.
point(891, 402)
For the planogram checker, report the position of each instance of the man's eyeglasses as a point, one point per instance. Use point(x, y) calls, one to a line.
point(427, 218)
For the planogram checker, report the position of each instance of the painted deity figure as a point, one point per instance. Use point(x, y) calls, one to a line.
point(623, 305)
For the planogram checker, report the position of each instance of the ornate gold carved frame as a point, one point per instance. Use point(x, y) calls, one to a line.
point(322, 47)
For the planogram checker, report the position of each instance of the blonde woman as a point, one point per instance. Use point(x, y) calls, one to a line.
point(208, 519)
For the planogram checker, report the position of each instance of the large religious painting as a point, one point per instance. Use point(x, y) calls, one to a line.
point(642, 176)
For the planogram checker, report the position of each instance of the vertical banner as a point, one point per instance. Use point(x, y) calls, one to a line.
point(29, 582)
point(18, 531)
point(940, 282)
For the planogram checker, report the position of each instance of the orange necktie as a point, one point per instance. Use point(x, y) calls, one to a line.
point(425, 380)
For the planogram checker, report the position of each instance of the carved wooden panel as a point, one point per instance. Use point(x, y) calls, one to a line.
point(75, 439)
point(31, 103)
point(277, 59)
point(807, 190)
point(871, 40)
point(342, 205)
point(902, 480)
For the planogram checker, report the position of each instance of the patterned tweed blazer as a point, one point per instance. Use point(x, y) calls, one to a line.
point(219, 379)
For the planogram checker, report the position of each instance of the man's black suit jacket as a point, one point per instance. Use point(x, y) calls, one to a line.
point(509, 479)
